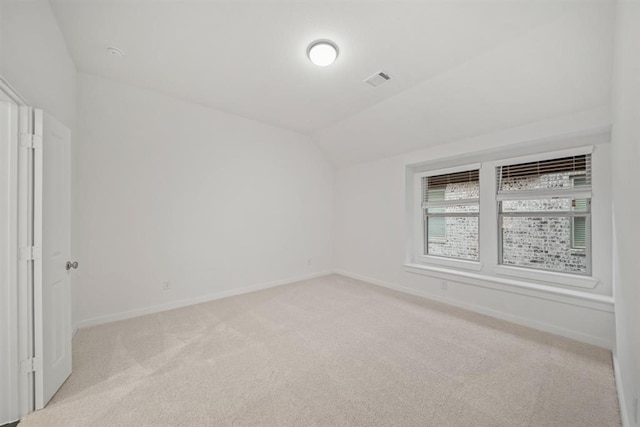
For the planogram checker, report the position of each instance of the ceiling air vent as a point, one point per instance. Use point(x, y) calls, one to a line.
point(377, 79)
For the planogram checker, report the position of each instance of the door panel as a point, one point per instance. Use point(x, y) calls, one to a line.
point(52, 220)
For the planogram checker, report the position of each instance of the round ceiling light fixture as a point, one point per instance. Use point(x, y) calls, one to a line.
point(322, 52)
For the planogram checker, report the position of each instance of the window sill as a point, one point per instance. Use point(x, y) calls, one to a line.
point(427, 260)
point(547, 276)
point(550, 292)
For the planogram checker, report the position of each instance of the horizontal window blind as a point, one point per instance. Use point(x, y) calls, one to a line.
point(433, 186)
point(562, 175)
point(453, 178)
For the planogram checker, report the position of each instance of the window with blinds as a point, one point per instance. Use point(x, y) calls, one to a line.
point(545, 214)
point(547, 177)
point(450, 203)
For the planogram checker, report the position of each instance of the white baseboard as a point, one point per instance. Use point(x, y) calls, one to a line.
point(624, 415)
point(578, 336)
point(191, 301)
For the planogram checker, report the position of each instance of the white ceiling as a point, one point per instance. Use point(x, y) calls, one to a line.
point(457, 67)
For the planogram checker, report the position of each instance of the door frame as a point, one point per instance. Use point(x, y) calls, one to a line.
point(20, 285)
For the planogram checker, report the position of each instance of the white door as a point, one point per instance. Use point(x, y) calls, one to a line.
point(52, 232)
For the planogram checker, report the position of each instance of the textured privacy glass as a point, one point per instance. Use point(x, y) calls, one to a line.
point(546, 243)
point(453, 237)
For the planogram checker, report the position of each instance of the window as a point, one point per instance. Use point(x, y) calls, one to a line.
point(545, 214)
point(451, 209)
point(537, 227)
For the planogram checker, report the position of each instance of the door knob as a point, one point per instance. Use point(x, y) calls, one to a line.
point(71, 265)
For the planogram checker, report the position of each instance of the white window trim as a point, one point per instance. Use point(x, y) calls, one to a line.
point(554, 293)
point(463, 264)
point(418, 243)
point(552, 277)
point(545, 194)
point(464, 168)
point(548, 155)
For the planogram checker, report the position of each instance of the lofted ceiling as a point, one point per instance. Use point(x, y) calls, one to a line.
point(457, 67)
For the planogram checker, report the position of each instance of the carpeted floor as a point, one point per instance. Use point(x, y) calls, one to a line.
point(330, 351)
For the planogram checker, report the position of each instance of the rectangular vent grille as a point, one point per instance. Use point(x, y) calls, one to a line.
point(377, 79)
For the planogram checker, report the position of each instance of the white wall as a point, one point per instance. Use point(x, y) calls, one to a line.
point(370, 232)
point(626, 204)
point(34, 58)
point(211, 202)
point(550, 70)
point(35, 61)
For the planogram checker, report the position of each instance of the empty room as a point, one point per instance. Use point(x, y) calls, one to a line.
point(319, 213)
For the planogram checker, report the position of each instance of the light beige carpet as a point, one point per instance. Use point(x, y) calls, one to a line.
point(330, 351)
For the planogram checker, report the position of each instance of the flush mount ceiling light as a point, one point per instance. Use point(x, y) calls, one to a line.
point(322, 52)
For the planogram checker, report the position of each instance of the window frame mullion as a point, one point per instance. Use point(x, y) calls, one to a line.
point(529, 214)
point(451, 214)
point(449, 203)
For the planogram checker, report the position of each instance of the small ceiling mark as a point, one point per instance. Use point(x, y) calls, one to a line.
point(114, 51)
